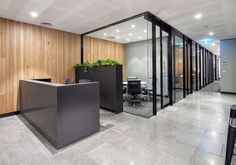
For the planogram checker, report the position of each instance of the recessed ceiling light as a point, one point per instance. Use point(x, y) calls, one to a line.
point(213, 44)
point(34, 14)
point(117, 37)
point(127, 39)
point(213, 133)
point(104, 34)
point(139, 38)
point(117, 30)
point(218, 49)
point(130, 34)
point(145, 30)
point(211, 33)
point(133, 26)
point(198, 16)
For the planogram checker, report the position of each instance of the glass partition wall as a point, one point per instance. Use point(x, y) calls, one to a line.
point(160, 65)
point(144, 51)
point(130, 43)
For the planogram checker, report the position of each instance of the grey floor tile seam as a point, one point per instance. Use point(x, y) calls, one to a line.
point(211, 153)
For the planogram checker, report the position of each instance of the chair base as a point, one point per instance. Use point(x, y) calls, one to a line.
point(135, 99)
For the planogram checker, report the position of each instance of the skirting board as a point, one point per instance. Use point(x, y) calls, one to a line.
point(228, 92)
point(9, 114)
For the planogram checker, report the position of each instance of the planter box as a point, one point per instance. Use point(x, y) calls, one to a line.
point(110, 78)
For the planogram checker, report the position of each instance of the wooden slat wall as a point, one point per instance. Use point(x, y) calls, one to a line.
point(29, 51)
point(95, 49)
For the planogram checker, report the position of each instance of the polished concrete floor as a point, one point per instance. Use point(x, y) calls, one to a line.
point(213, 87)
point(192, 132)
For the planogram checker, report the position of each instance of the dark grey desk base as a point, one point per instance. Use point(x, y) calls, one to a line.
point(63, 114)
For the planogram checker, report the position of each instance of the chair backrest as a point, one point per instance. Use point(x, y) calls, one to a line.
point(84, 81)
point(134, 86)
point(132, 78)
point(69, 81)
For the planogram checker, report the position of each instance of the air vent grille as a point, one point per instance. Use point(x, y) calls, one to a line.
point(46, 24)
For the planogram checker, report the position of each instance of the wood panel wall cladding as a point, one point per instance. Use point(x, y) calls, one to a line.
point(96, 49)
point(29, 51)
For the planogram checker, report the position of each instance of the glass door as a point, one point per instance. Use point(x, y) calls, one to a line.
point(162, 69)
point(188, 67)
point(194, 67)
point(157, 41)
point(178, 67)
point(214, 67)
point(207, 67)
point(202, 67)
point(199, 67)
point(165, 69)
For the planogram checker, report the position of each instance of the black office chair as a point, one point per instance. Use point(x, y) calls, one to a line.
point(134, 89)
point(69, 81)
point(84, 81)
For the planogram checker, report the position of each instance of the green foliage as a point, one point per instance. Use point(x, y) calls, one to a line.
point(85, 65)
point(106, 62)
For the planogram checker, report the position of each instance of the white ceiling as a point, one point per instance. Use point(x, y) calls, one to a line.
point(126, 33)
point(80, 16)
point(142, 30)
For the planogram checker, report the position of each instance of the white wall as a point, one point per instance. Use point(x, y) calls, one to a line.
point(138, 62)
point(228, 65)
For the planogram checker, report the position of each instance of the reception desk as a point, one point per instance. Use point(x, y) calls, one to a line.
point(63, 114)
